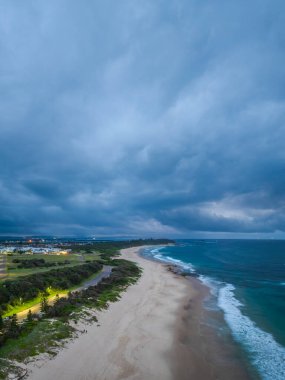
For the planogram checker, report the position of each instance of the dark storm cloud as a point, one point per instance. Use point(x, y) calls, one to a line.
point(142, 117)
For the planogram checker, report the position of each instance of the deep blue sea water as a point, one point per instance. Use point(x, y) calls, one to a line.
point(247, 278)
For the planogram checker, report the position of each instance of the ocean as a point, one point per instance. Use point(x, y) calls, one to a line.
point(247, 281)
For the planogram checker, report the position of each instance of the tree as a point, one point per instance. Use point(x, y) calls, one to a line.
point(14, 322)
point(29, 322)
point(30, 317)
point(1, 322)
point(44, 304)
point(14, 328)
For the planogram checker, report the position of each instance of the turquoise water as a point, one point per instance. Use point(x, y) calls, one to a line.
point(247, 278)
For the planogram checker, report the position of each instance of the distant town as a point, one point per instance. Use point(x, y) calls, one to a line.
point(47, 246)
point(32, 250)
point(63, 246)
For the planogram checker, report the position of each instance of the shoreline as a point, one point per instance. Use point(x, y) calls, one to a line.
point(212, 321)
point(217, 355)
point(157, 330)
point(203, 342)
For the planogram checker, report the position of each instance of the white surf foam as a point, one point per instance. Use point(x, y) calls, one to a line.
point(212, 284)
point(267, 355)
point(156, 254)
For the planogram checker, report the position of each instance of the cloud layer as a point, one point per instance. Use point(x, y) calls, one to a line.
point(142, 117)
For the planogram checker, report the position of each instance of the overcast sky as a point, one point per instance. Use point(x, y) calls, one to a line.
point(142, 117)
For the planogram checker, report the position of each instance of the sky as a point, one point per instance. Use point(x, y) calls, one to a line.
point(142, 118)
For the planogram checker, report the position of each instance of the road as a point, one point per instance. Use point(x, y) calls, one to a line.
point(106, 271)
point(3, 272)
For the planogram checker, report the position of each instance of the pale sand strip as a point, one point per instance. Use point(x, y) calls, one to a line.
point(134, 336)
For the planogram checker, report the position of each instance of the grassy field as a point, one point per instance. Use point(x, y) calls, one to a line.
point(52, 293)
point(13, 271)
point(79, 254)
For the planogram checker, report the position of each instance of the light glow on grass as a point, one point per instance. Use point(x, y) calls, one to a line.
point(52, 293)
point(34, 302)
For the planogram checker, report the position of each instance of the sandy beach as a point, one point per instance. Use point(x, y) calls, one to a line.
point(158, 330)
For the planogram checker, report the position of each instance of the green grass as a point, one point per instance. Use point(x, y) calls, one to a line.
point(83, 282)
point(24, 306)
point(27, 305)
point(110, 295)
point(52, 293)
point(14, 272)
point(7, 368)
point(44, 336)
point(81, 256)
point(91, 256)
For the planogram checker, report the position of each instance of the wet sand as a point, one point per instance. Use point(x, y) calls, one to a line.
point(158, 330)
point(203, 347)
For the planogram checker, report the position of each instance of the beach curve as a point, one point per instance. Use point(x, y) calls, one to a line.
point(153, 332)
